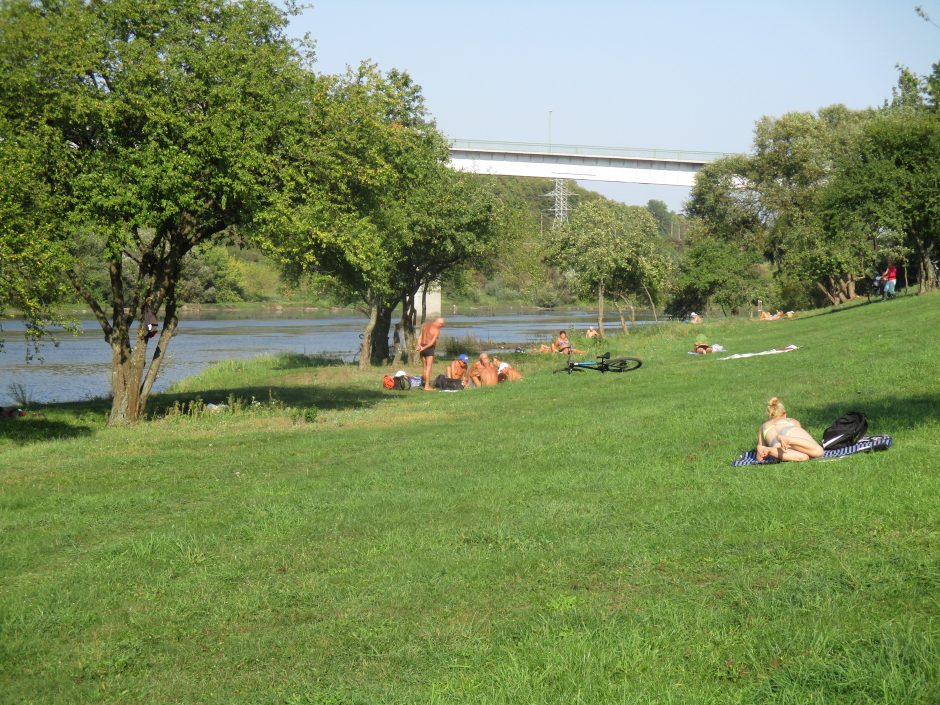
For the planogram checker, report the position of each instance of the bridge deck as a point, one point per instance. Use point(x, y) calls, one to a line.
point(589, 163)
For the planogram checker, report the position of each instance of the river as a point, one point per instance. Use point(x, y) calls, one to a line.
point(78, 366)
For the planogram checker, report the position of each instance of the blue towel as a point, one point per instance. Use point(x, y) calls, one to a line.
point(864, 445)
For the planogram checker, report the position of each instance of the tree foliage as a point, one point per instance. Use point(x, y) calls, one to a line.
point(161, 124)
point(614, 251)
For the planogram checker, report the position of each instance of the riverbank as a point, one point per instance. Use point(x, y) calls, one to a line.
point(78, 366)
point(558, 539)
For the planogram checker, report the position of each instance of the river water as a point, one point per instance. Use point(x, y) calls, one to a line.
point(78, 366)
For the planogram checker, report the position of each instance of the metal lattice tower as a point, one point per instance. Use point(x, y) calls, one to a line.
point(559, 210)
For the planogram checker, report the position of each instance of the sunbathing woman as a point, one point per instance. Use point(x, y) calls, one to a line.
point(783, 437)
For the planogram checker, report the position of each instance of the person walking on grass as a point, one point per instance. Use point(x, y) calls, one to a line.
point(890, 278)
point(784, 438)
point(430, 332)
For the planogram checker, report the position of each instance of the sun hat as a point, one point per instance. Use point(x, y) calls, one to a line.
point(401, 373)
point(463, 358)
point(502, 366)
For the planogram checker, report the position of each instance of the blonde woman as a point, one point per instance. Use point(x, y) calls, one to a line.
point(784, 438)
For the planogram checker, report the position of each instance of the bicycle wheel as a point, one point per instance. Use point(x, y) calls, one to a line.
point(624, 364)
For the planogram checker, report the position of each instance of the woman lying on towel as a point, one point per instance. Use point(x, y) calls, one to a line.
point(783, 437)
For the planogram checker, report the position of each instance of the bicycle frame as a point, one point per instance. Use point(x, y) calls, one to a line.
point(603, 364)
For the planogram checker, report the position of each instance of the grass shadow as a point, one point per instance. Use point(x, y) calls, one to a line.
point(293, 361)
point(319, 397)
point(886, 414)
point(36, 428)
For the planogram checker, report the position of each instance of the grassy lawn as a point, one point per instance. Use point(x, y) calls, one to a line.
point(566, 540)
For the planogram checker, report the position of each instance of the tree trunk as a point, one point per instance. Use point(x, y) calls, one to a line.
point(623, 321)
point(408, 334)
point(600, 309)
point(379, 354)
point(159, 354)
point(374, 350)
point(825, 291)
point(365, 349)
point(127, 367)
point(652, 305)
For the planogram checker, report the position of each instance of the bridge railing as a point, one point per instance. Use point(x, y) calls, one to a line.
point(684, 155)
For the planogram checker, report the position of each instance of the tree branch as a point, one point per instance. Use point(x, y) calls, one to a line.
point(93, 304)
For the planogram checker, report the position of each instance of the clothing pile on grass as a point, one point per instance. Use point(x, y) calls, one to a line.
point(402, 380)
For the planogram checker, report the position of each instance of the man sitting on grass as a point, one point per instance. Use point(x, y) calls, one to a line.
point(483, 373)
point(459, 369)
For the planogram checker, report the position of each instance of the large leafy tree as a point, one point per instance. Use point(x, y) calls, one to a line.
point(891, 183)
point(387, 216)
point(615, 252)
point(794, 160)
point(162, 127)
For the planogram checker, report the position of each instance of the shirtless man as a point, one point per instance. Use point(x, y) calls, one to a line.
point(483, 372)
point(458, 369)
point(430, 332)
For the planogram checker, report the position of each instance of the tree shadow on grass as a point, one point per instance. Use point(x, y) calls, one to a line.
point(887, 414)
point(51, 422)
point(35, 428)
point(293, 361)
point(303, 397)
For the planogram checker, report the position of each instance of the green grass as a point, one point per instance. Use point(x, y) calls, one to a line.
point(561, 540)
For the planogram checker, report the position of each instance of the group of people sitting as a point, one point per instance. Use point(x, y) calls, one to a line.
point(485, 372)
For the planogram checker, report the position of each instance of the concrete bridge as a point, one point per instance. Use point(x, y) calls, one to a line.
point(668, 167)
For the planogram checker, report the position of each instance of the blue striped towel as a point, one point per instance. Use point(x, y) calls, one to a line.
point(865, 444)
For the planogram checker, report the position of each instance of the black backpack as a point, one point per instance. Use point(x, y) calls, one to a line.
point(447, 384)
point(846, 430)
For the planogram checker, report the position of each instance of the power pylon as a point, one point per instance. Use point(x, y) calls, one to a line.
point(559, 210)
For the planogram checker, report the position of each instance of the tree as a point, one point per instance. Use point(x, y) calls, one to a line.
point(388, 216)
point(890, 183)
point(664, 217)
point(164, 122)
point(614, 251)
point(31, 261)
point(714, 271)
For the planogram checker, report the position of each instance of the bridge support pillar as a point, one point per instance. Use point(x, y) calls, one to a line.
point(430, 297)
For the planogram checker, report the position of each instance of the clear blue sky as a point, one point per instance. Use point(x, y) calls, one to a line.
point(673, 74)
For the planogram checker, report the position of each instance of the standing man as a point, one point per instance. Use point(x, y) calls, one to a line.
point(430, 332)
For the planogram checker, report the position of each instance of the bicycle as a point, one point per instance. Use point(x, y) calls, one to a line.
point(603, 364)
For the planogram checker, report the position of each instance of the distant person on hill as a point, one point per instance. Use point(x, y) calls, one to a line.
point(592, 333)
point(694, 318)
point(890, 278)
point(430, 332)
point(767, 316)
point(784, 438)
point(483, 372)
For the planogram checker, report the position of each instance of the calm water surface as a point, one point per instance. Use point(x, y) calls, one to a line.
point(79, 366)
